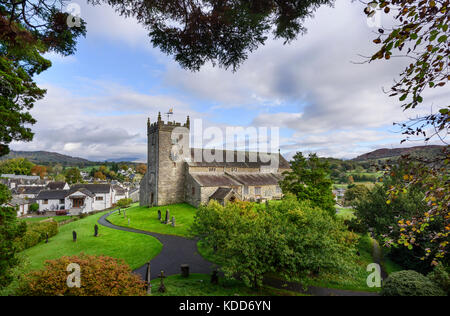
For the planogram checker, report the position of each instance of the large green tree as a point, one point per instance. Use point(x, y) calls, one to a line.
point(28, 29)
point(223, 32)
point(73, 175)
point(309, 180)
point(292, 239)
point(10, 229)
point(16, 166)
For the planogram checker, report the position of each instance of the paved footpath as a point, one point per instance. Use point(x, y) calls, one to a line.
point(178, 250)
point(175, 252)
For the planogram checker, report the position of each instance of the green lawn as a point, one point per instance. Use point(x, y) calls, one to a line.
point(145, 218)
point(135, 249)
point(200, 285)
point(345, 213)
point(38, 219)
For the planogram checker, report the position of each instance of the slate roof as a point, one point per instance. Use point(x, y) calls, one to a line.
point(82, 190)
point(221, 193)
point(119, 190)
point(252, 179)
point(18, 201)
point(56, 185)
point(52, 195)
point(28, 189)
point(214, 180)
point(94, 188)
point(248, 162)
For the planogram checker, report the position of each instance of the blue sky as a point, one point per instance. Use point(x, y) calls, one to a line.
point(99, 99)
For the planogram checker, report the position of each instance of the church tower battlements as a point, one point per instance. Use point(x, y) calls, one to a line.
point(164, 182)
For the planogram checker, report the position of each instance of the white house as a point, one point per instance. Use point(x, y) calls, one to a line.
point(79, 200)
point(21, 204)
point(119, 193)
point(52, 200)
point(103, 195)
point(27, 191)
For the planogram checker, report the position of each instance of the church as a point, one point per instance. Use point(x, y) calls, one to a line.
point(175, 174)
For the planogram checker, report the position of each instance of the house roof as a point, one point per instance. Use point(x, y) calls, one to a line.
point(214, 180)
point(119, 190)
point(52, 195)
point(253, 179)
point(28, 189)
point(241, 159)
point(94, 188)
point(82, 190)
point(18, 201)
point(59, 185)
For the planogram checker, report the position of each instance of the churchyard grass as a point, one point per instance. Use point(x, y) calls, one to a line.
point(56, 218)
point(200, 285)
point(135, 249)
point(144, 218)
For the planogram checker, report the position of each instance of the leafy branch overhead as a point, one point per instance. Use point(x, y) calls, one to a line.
point(223, 32)
point(421, 34)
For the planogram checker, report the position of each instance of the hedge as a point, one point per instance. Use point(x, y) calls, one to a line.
point(410, 283)
point(36, 232)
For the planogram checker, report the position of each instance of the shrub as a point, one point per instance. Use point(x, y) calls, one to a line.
point(123, 203)
point(410, 283)
point(441, 277)
point(34, 207)
point(36, 232)
point(100, 276)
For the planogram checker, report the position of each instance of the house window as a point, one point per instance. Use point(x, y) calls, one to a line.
point(212, 169)
point(279, 190)
point(61, 201)
point(99, 198)
point(153, 139)
point(258, 191)
point(246, 190)
point(45, 202)
point(234, 169)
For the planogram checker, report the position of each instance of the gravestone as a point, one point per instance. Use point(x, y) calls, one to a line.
point(162, 287)
point(167, 217)
point(95, 230)
point(159, 215)
point(267, 204)
point(124, 214)
point(46, 238)
point(128, 222)
point(74, 235)
point(120, 213)
point(215, 277)
point(149, 280)
point(185, 270)
point(173, 221)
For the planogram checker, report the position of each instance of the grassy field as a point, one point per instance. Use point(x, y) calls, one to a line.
point(38, 219)
point(345, 213)
point(145, 218)
point(135, 249)
point(200, 285)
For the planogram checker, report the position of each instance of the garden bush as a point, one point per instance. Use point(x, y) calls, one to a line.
point(99, 275)
point(36, 232)
point(410, 283)
point(441, 277)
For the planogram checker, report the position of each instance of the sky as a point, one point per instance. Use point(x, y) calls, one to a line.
point(313, 90)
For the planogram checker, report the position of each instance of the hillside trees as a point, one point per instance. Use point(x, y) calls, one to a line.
point(73, 176)
point(16, 166)
point(309, 181)
point(28, 29)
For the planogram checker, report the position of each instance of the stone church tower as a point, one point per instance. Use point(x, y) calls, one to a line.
point(164, 182)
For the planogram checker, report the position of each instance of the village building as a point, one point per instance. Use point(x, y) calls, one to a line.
point(103, 194)
point(170, 180)
point(22, 205)
point(52, 200)
point(119, 193)
point(27, 192)
point(58, 185)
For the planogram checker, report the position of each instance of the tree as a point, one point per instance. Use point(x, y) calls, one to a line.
point(291, 239)
point(99, 175)
point(73, 176)
point(421, 34)
point(309, 180)
point(356, 193)
point(39, 170)
point(16, 166)
point(28, 29)
point(223, 32)
point(10, 229)
point(141, 168)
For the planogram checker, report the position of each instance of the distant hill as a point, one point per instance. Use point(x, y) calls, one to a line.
point(46, 157)
point(418, 151)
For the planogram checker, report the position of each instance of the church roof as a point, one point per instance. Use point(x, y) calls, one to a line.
point(251, 159)
point(214, 180)
point(257, 178)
